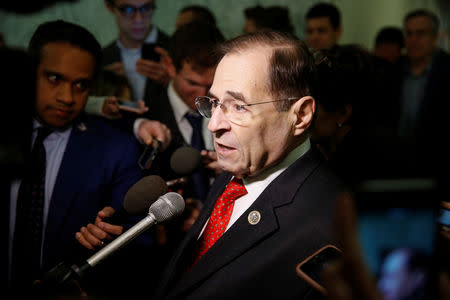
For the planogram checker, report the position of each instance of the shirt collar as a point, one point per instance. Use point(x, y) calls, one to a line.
point(61, 133)
point(270, 174)
point(151, 39)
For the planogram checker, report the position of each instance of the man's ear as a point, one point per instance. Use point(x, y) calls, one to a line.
point(303, 109)
point(168, 64)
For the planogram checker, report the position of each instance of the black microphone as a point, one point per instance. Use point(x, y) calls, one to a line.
point(139, 198)
point(165, 208)
point(185, 160)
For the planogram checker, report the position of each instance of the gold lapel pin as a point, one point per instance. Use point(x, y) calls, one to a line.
point(254, 217)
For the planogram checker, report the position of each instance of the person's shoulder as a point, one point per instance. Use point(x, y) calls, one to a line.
point(442, 57)
point(105, 131)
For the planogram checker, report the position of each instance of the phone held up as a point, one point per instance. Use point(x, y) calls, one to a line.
point(311, 268)
point(148, 52)
point(397, 228)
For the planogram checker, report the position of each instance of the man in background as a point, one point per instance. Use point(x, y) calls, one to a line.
point(125, 55)
point(423, 105)
point(323, 26)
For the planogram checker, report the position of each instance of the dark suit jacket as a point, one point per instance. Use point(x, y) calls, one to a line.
point(98, 167)
point(259, 261)
point(429, 155)
point(111, 54)
point(162, 111)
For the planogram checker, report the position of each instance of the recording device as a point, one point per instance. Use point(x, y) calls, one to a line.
point(148, 156)
point(165, 208)
point(397, 228)
point(148, 52)
point(139, 198)
point(311, 268)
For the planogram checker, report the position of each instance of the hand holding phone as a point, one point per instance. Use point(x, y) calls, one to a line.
point(130, 106)
point(148, 52)
point(311, 268)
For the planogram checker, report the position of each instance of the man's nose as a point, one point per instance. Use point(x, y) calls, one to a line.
point(218, 121)
point(65, 94)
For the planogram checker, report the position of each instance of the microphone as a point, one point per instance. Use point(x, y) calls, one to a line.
point(185, 160)
point(165, 208)
point(139, 198)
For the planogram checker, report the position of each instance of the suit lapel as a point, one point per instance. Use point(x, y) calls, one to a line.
point(242, 236)
point(70, 176)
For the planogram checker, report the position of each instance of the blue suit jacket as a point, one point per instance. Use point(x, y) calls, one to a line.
point(98, 167)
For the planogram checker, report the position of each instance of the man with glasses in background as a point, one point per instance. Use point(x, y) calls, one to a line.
point(272, 206)
point(124, 56)
point(423, 103)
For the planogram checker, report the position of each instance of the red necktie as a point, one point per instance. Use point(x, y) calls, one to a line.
point(220, 216)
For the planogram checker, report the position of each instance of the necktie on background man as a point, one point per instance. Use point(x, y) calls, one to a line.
point(220, 217)
point(200, 177)
point(29, 216)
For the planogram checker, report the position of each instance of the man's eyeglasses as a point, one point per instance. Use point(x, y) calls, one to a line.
point(234, 110)
point(129, 11)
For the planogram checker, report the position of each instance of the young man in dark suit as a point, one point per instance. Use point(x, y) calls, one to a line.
point(124, 55)
point(83, 163)
point(272, 206)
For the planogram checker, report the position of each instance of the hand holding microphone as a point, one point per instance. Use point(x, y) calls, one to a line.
point(166, 207)
point(109, 223)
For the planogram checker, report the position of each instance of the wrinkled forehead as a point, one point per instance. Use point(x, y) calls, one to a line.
point(243, 71)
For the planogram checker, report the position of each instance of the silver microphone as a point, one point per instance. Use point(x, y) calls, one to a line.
point(165, 208)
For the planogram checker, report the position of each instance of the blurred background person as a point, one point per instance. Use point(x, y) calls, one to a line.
point(195, 13)
point(275, 17)
point(422, 107)
point(403, 275)
point(323, 26)
point(124, 55)
point(389, 44)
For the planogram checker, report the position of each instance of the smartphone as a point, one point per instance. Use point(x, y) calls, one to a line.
point(397, 228)
point(129, 106)
point(311, 268)
point(148, 52)
point(148, 156)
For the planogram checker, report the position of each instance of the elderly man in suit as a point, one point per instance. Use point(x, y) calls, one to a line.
point(78, 164)
point(272, 206)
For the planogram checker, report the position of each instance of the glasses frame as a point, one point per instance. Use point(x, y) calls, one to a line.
point(216, 103)
point(148, 9)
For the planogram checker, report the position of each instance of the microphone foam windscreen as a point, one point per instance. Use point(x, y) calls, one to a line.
point(168, 206)
point(185, 160)
point(143, 193)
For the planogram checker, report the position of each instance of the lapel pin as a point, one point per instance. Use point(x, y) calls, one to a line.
point(82, 127)
point(254, 217)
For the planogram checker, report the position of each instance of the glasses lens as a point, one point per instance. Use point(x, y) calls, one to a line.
point(130, 11)
point(126, 10)
point(204, 106)
point(146, 9)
